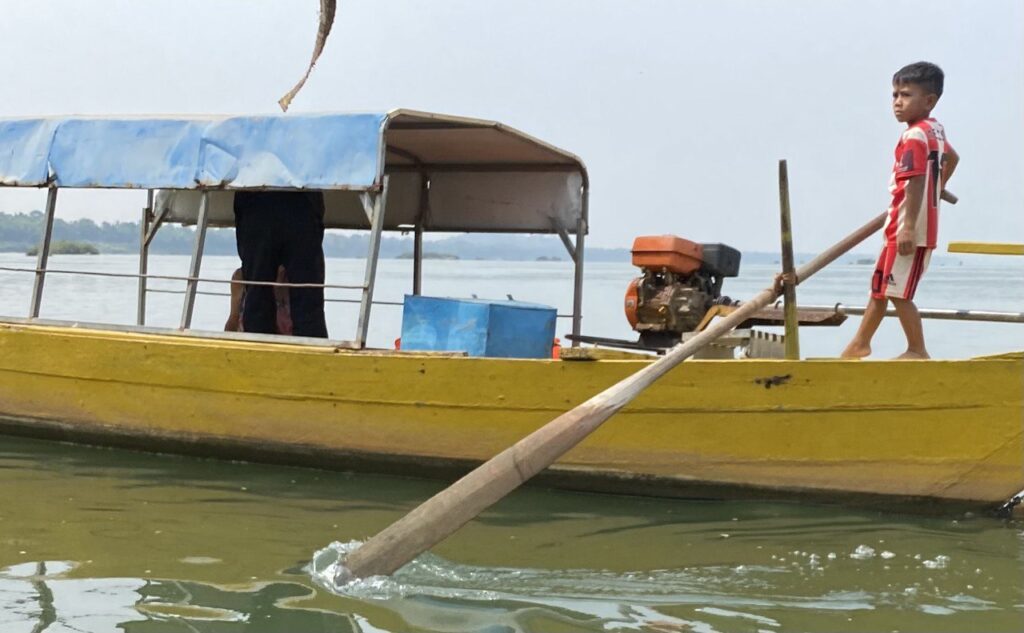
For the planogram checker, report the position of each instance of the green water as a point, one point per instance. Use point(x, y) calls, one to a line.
point(106, 540)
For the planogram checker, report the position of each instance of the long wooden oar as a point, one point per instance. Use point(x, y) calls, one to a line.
point(447, 511)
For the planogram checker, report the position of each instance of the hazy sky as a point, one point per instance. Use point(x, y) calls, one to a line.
point(680, 109)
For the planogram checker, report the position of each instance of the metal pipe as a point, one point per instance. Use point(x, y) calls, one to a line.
point(417, 239)
point(147, 213)
point(417, 260)
point(197, 262)
point(376, 228)
point(566, 242)
point(933, 313)
point(44, 253)
point(156, 224)
point(577, 294)
point(227, 294)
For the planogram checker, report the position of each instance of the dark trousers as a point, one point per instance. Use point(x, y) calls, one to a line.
point(282, 228)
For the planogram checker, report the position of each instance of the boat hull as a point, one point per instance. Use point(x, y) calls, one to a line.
point(942, 431)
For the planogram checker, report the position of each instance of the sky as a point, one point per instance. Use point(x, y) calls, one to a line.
point(680, 108)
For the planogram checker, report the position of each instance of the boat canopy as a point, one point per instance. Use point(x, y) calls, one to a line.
point(443, 173)
point(401, 170)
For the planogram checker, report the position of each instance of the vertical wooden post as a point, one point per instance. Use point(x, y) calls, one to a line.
point(789, 278)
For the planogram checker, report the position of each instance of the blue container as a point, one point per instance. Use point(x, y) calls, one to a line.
point(479, 327)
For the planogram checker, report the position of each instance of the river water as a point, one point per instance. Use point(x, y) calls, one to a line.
point(95, 540)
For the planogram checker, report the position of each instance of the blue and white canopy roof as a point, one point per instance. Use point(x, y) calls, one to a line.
point(483, 176)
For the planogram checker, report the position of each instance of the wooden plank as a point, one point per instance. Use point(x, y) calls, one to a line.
point(773, 315)
point(601, 353)
point(805, 316)
point(987, 248)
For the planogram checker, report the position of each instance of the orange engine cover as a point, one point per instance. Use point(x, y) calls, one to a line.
point(632, 301)
point(668, 252)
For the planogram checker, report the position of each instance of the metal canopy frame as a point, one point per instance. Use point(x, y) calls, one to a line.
point(540, 157)
point(374, 204)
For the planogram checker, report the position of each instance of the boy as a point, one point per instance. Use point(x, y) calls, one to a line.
point(924, 162)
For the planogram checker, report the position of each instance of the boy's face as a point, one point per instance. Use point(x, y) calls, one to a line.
point(911, 102)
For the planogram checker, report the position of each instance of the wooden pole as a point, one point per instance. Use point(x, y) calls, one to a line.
point(447, 511)
point(988, 316)
point(788, 272)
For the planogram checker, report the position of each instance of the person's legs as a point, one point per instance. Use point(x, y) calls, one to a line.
point(910, 319)
point(234, 321)
point(304, 263)
point(860, 346)
point(255, 235)
point(282, 298)
point(907, 273)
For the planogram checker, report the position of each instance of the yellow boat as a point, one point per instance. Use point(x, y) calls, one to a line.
point(931, 432)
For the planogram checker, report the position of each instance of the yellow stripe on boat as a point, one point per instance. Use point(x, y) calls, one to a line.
point(940, 430)
point(986, 248)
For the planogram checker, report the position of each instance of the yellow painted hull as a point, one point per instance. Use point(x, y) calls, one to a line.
point(934, 430)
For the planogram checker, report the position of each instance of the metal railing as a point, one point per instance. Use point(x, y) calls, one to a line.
point(187, 278)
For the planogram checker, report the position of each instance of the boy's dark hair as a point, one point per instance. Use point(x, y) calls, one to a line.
point(925, 74)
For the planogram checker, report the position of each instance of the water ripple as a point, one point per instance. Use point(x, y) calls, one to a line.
point(722, 597)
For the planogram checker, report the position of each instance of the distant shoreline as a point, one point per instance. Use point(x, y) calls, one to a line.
point(20, 231)
point(750, 259)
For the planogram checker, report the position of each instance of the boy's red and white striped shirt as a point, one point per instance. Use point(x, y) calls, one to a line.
point(919, 152)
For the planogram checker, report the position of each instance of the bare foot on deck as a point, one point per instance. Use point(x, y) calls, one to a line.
point(854, 350)
point(909, 355)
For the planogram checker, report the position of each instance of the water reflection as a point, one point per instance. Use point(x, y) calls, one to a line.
point(44, 596)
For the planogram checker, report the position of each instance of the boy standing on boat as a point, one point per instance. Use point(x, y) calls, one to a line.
point(924, 162)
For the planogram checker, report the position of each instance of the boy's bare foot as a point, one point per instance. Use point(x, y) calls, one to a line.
point(909, 355)
point(854, 350)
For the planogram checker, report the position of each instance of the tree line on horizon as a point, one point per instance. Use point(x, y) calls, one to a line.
point(20, 232)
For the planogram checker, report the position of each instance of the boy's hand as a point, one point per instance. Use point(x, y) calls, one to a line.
point(781, 278)
point(905, 241)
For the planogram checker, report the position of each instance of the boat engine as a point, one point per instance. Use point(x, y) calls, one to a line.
point(681, 281)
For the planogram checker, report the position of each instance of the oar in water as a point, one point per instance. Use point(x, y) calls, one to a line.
point(447, 511)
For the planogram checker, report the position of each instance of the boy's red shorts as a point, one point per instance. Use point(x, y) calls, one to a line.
point(896, 276)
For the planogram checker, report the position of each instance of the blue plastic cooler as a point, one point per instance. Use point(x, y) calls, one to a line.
point(479, 327)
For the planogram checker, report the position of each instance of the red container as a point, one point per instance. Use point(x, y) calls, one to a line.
point(667, 252)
